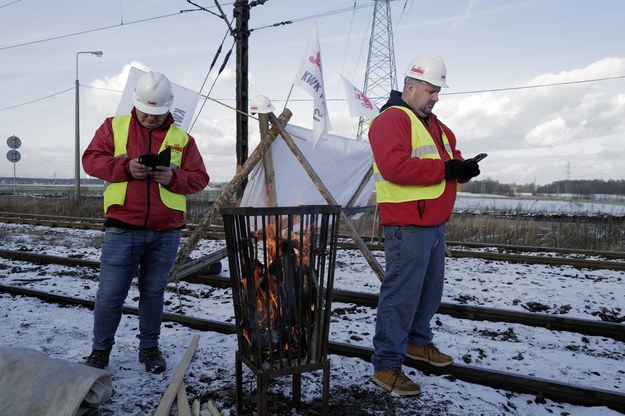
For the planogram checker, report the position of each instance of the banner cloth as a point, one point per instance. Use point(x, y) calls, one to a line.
point(340, 163)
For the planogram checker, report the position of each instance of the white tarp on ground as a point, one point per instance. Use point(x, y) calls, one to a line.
point(31, 384)
point(340, 163)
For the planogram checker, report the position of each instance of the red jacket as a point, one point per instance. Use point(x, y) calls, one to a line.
point(390, 139)
point(143, 206)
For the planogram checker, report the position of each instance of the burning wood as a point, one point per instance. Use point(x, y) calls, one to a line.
point(280, 295)
point(282, 272)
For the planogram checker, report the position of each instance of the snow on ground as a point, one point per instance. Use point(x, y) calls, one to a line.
point(65, 333)
point(540, 205)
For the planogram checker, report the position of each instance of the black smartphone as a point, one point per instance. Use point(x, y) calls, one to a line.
point(478, 157)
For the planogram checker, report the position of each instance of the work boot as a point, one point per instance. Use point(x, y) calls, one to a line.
point(98, 358)
point(153, 360)
point(394, 380)
point(430, 354)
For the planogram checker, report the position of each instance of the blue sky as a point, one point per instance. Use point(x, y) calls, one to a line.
point(562, 127)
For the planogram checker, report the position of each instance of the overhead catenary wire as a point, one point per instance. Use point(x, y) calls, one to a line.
point(8, 4)
point(222, 16)
point(556, 84)
point(68, 35)
point(314, 16)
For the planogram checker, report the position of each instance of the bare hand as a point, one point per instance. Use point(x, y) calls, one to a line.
point(162, 174)
point(138, 170)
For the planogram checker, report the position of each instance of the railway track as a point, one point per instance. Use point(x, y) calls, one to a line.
point(541, 388)
point(503, 252)
point(193, 274)
point(560, 392)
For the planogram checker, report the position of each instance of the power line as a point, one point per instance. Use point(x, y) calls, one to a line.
point(536, 86)
point(38, 99)
point(8, 4)
point(314, 16)
point(583, 81)
point(94, 30)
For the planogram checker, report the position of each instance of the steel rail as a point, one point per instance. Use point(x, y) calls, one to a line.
point(542, 388)
point(189, 273)
point(612, 330)
point(516, 258)
point(216, 231)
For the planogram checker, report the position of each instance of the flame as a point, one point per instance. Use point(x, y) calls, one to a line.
point(269, 310)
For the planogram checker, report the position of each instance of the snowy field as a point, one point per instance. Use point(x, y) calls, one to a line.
point(531, 205)
point(65, 333)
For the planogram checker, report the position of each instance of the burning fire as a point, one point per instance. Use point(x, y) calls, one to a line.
point(277, 295)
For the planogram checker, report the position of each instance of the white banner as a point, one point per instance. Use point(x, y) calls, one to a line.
point(340, 163)
point(359, 104)
point(310, 78)
point(183, 108)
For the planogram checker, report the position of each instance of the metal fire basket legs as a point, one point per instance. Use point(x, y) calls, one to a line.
point(282, 271)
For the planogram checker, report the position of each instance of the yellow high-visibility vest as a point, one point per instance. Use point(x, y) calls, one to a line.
point(423, 147)
point(115, 193)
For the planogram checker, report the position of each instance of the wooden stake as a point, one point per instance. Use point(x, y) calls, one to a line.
point(270, 176)
point(328, 197)
point(226, 194)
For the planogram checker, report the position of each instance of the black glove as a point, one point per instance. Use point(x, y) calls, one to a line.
point(472, 169)
point(457, 169)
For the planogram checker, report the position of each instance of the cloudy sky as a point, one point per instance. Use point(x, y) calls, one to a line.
point(538, 85)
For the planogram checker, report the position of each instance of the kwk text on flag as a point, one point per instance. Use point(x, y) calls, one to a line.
point(310, 78)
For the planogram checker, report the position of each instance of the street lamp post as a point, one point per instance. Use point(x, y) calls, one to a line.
point(77, 132)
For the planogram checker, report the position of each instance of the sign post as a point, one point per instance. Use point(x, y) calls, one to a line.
point(13, 155)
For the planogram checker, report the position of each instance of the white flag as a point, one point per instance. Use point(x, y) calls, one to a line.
point(359, 104)
point(183, 107)
point(310, 78)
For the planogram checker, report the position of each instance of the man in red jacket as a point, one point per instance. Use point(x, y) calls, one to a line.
point(149, 166)
point(416, 169)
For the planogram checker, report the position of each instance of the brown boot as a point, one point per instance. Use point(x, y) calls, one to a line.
point(394, 380)
point(430, 354)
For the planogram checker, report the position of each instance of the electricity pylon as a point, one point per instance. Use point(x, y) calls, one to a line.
point(381, 75)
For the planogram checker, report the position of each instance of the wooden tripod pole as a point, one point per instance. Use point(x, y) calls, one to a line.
point(328, 197)
point(226, 194)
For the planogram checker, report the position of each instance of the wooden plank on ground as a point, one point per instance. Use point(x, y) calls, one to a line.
point(167, 400)
point(183, 402)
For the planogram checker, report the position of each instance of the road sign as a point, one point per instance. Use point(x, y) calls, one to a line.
point(13, 156)
point(14, 142)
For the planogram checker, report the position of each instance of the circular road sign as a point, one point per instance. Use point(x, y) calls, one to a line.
point(13, 156)
point(14, 142)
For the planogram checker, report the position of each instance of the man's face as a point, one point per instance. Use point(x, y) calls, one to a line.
point(150, 121)
point(420, 96)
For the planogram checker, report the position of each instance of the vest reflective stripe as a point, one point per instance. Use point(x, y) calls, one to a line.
point(176, 139)
point(423, 147)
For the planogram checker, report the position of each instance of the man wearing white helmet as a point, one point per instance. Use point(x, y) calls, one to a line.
point(149, 166)
point(417, 169)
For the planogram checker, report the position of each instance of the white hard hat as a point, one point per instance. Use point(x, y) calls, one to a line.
point(428, 68)
point(153, 93)
point(261, 104)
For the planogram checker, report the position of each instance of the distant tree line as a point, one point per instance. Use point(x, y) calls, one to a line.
point(584, 187)
point(576, 187)
point(488, 186)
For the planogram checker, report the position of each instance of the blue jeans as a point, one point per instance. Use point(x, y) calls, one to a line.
point(411, 292)
point(123, 252)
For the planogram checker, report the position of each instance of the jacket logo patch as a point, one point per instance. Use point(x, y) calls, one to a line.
point(175, 148)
